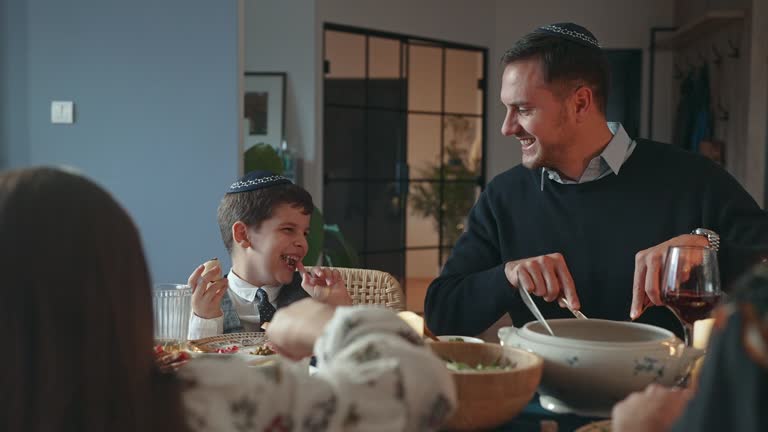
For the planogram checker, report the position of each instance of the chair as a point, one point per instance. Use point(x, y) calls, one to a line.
point(372, 287)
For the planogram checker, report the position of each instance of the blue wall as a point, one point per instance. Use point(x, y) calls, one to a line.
point(156, 109)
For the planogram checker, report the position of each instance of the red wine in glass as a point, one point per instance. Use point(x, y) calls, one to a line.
point(690, 306)
point(691, 284)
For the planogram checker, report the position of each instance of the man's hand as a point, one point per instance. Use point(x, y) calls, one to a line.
point(325, 285)
point(207, 290)
point(653, 410)
point(649, 270)
point(545, 276)
point(295, 328)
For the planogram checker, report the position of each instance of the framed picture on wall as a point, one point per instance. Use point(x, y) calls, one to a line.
point(264, 108)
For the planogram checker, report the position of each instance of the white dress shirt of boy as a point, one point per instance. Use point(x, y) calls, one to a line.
point(243, 296)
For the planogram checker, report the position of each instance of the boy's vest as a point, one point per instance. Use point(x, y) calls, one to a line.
point(288, 294)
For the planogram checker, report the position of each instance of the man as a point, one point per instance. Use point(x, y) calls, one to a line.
point(590, 213)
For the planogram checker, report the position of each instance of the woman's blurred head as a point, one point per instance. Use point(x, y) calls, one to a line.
point(76, 313)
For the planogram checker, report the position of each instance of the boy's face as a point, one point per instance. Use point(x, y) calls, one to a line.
point(277, 245)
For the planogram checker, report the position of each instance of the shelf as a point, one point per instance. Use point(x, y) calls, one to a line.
point(699, 28)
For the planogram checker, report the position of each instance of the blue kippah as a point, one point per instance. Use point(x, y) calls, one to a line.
point(572, 32)
point(257, 180)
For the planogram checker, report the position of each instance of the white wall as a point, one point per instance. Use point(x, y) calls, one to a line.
point(617, 24)
point(281, 36)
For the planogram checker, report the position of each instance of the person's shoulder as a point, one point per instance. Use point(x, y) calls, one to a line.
point(663, 152)
point(515, 176)
point(672, 156)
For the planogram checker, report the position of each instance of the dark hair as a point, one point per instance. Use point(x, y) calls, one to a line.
point(254, 207)
point(77, 325)
point(564, 62)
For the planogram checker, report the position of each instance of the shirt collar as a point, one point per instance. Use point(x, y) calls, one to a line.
point(612, 157)
point(247, 291)
point(615, 153)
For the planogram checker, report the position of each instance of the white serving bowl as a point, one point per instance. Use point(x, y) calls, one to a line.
point(592, 364)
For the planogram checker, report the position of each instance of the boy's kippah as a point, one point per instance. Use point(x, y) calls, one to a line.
point(572, 32)
point(257, 180)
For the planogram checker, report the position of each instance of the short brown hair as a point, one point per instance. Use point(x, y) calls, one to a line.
point(564, 62)
point(254, 207)
point(79, 315)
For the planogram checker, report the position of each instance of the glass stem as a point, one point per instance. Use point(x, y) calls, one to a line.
point(688, 331)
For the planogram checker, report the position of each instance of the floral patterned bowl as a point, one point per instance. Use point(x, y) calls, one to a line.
point(592, 364)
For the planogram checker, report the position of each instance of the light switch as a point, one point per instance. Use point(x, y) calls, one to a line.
point(62, 112)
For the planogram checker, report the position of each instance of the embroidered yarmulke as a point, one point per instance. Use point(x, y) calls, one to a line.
point(572, 32)
point(257, 180)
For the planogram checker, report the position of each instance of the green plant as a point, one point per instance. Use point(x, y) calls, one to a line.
point(457, 197)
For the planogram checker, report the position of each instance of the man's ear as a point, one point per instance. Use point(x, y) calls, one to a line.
point(583, 102)
point(240, 234)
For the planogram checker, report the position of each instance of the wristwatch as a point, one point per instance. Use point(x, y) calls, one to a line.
point(712, 237)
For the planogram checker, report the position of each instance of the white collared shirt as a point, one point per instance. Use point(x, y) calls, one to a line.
point(243, 296)
point(610, 160)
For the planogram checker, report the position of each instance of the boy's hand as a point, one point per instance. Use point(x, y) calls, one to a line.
point(325, 285)
point(295, 328)
point(207, 290)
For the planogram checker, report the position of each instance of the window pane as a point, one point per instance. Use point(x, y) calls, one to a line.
point(422, 218)
point(421, 268)
point(386, 143)
point(463, 155)
point(425, 78)
point(458, 201)
point(463, 70)
point(385, 87)
point(344, 142)
point(385, 216)
point(424, 146)
point(344, 205)
point(345, 80)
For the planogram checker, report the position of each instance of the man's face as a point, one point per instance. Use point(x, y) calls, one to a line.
point(536, 115)
point(278, 244)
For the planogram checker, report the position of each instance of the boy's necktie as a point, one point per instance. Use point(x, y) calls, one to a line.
point(266, 310)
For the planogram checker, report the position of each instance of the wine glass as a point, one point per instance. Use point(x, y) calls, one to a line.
point(691, 285)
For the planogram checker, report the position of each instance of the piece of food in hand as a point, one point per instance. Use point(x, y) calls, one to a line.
point(208, 265)
point(416, 322)
point(264, 325)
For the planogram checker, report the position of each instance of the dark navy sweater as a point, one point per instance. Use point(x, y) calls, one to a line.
point(660, 192)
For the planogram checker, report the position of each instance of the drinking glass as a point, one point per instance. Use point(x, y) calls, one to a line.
point(172, 305)
point(691, 285)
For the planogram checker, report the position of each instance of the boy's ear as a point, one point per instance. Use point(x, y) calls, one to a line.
point(240, 234)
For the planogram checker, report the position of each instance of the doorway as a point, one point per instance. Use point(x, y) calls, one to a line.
point(404, 135)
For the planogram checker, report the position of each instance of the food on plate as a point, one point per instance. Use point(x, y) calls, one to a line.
point(169, 360)
point(456, 339)
point(262, 350)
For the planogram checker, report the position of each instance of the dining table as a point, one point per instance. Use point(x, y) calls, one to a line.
point(532, 416)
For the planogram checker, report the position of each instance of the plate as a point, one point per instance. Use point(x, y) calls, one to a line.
point(598, 426)
point(244, 342)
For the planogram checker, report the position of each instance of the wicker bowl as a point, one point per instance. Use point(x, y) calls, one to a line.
point(488, 398)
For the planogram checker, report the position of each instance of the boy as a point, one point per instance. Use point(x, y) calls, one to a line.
point(264, 221)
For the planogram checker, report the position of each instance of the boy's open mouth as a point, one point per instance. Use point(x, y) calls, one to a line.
point(291, 260)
